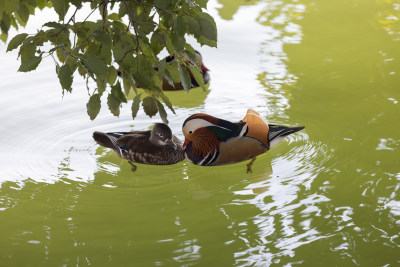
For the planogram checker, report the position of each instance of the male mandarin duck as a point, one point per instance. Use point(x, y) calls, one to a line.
point(156, 147)
point(178, 86)
point(210, 141)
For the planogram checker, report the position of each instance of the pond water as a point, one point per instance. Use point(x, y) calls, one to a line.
point(327, 196)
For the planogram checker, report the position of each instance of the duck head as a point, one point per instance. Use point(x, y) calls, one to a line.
point(200, 61)
point(200, 140)
point(161, 135)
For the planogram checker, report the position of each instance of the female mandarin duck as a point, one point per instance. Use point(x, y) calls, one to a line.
point(210, 141)
point(178, 86)
point(156, 147)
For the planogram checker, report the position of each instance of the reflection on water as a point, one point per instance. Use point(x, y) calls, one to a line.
point(325, 196)
point(389, 18)
point(279, 19)
point(288, 209)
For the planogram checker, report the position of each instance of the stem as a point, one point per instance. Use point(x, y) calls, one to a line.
point(132, 20)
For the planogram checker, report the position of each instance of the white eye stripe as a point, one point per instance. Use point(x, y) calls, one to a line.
point(195, 124)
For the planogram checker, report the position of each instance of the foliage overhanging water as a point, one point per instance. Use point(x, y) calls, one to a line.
point(326, 196)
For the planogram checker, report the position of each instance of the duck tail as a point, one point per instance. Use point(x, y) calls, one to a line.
point(105, 140)
point(278, 133)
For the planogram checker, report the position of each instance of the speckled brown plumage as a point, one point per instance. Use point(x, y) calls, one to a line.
point(146, 147)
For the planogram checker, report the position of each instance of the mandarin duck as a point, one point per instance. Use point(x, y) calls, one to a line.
point(210, 141)
point(156, 147)
point(178, 86)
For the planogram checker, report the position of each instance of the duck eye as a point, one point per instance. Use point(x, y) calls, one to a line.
point(190, 132)
point(161, 135)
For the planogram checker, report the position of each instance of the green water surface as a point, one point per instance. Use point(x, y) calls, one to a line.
point(328, 196)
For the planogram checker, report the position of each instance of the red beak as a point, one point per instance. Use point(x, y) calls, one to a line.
point(204, 68)
point(187, 141)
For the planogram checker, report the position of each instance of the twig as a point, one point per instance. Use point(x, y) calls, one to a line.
point(134, 26)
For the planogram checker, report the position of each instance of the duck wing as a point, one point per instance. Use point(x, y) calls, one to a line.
point(138, 148)
point(256, 127)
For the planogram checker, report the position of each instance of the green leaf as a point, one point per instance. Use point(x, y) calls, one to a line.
point(180, 25)
point(101, 82)
point(202, 3)
point(105, 54)
point(14, 23)
point(113, 16)
point(113, 104)
point(53, 24)
point(208, 29)
point(16, 41)
point(156, 43)
point(161, 67)
point(61, 7)
point(193, 25)
point(161, 110)
point(112, 75)
point(198, 76)
point(163, 4)
point(30, 64)
point(128, 83)
point(168, 44)
point(93, 106)
point(173, 71)
point(23, 12)
point(27, 50)
point(66, 77)
point(135, 105)
point(178, 41)
point(60, 55)
point(185, 78)
point(102, 37)
point(4, 37)
point(190, 56)
point(42, 4)
point(72, 63)
point(5, 23)
point(76, 2)
point(167, 102)
point(150, 106)
point(94, 64)
point(143, 80)
point(116, 91)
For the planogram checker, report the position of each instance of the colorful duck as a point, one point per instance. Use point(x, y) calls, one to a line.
point(157, 146)
point(178, 86)
point(210, 141)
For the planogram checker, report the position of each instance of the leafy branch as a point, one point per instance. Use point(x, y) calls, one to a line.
point(96, 49)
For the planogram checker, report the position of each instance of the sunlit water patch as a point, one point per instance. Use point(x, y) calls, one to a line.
point(287, 207)
point(279, 21)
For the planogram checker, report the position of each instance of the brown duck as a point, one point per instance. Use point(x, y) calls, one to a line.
point(156, 147)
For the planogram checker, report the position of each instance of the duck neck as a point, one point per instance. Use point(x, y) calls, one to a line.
point(205, 142)
point(154, 140)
